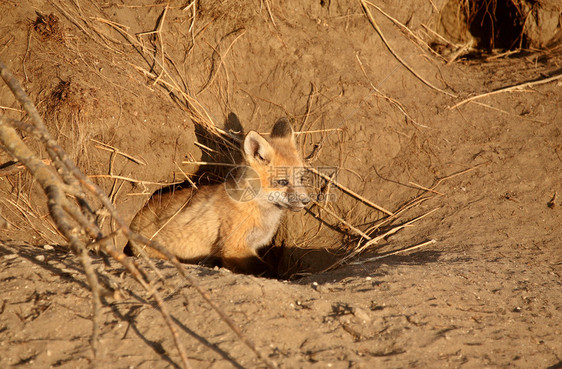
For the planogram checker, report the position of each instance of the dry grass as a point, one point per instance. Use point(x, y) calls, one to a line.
point(22, 210)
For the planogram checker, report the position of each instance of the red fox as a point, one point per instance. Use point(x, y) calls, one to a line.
point(231, 221)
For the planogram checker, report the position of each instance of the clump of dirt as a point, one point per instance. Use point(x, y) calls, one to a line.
point(48, 27)
point(68, 95)
point(69, 107)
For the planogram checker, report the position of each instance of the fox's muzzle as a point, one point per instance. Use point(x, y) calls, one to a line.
point(297, 201)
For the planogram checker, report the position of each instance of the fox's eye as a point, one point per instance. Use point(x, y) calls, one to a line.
point(283, 182)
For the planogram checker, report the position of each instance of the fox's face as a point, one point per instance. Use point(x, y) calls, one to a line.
point(278, 165)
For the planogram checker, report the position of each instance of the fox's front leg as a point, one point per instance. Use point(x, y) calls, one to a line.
point(239, 258)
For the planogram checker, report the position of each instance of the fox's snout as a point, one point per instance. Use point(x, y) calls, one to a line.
point(293, 200)
point(298, 206)
point(301, 205)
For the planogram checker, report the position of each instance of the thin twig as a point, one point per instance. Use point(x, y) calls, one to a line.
point(509, 88)
point(391, 100)
point(460, 52)
point(210, 163)
point(426, 189)
point(355, 230)
point(221, 59)
point(438, 36)
point(350, 192)
point(107, 147)
point(379, 257)
point(12, 109)
point(442, 179)
point(375, 240)
point(361, 248)
point(376, 27)
point(270, 14)
point(132, 180)
point(11, 168)
point(318, 131)
point(508, 113)
point(399, 24)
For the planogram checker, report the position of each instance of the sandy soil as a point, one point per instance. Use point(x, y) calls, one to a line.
point(486, 294)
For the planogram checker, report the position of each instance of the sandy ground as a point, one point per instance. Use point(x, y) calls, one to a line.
point(486, 294)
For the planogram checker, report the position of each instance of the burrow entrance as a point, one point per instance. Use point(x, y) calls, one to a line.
point(501, 24)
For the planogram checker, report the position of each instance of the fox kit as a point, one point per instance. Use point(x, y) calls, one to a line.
point(230, 221)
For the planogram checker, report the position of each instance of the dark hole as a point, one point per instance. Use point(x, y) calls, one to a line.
point(496, 24)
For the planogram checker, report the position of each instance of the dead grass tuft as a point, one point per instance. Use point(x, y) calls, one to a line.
point(48, 27)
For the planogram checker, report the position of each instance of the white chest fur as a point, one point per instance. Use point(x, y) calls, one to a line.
point(261, 236)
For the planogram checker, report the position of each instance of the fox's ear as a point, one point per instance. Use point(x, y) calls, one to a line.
point(257, 147)
point(283, 129)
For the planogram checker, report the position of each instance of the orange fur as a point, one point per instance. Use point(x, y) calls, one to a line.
point(212, 222)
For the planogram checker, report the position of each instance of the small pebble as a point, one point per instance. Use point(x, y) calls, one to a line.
point(361, 315)
point(40, 258)
point(48, 247)
point(10, 256)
